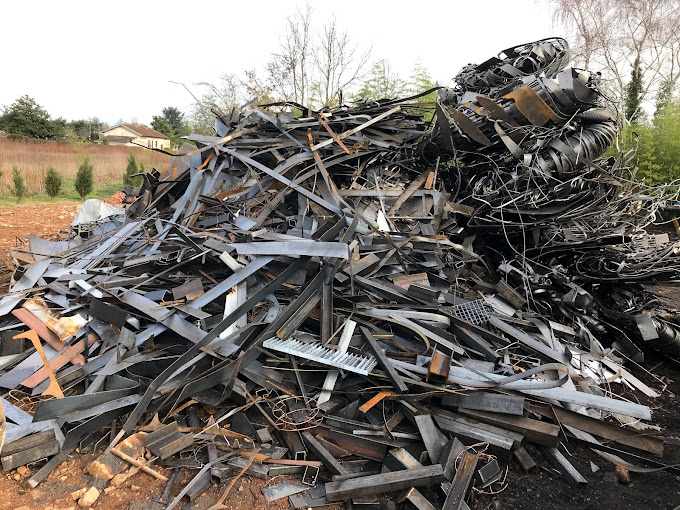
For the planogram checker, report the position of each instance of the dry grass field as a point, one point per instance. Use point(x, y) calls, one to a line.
point(33, 158)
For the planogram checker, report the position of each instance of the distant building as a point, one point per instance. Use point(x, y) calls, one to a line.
point(135, 134)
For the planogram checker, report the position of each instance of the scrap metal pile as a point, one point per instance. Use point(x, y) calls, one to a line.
point(394, 297)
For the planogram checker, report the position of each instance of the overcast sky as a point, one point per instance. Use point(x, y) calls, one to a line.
point(115, 60)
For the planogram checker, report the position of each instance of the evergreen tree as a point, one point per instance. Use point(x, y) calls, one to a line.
point(175, 118)
point(52, 182)
point(163, 126)
point(633, 98)
point(128, 179)
point(20, 189)
point(171, 123)
point(79, 128)
point(85, 179)
point(96, 127)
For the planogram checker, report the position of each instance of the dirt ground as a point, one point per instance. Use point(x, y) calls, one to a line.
point(140, 492)
point(39, 218)
point(540, 489)
point(44, 219)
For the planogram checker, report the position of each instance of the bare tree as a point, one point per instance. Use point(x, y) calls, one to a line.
point(339, 62)
point(290, 68)
point(625, 37)
point(308, 68)
point(220, 97)
point(584, 18)
point(256, 88)
point(312, 68)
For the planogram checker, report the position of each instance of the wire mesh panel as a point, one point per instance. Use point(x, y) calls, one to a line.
point(475, 312)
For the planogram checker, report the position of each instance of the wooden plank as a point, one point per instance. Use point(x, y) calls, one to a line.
point(385, 482)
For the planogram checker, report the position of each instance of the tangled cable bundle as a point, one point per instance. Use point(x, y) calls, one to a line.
point(522, 137)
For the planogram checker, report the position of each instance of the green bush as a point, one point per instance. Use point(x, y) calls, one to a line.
point(85, 179)
point(52, 182)
point(20, 189)
point(128, 179)
point(658, 145)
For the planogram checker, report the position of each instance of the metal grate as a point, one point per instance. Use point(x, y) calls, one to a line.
point(474, 312)
point(317, 352)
